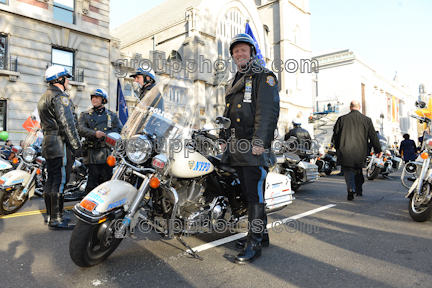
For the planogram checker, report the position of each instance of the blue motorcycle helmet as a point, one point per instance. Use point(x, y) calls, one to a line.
point(243, 38)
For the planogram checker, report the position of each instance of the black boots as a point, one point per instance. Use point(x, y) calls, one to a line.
point(241, 243)
point(57, 221)
point(252, 249)
point(351, 193)
point(47, 198)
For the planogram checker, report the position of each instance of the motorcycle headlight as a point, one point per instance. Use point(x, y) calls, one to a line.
point(29, 154)
point(138, 149)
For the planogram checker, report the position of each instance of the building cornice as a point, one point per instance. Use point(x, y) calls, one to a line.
point(151, 34)
point(51, 21)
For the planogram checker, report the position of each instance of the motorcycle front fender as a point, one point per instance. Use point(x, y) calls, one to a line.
point(108, 196)
point(427, 178)
point(13, 178)
point(5, 165)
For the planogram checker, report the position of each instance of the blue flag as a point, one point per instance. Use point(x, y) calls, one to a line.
point(121, 104)
point(258, 52)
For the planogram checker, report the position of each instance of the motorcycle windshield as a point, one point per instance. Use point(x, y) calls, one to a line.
point(34, 138)
point(167, 111)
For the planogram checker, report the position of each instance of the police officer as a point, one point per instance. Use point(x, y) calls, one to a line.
point(60, 143)
point(303, 141)
point(252, 105)
point(94, 125)
point(144, 81)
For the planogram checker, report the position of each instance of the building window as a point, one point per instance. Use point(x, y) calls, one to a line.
point(63, 10)
point(3, 1)
point(63, 58)
point(128, 89)
point(2, 51)
point(3, 115)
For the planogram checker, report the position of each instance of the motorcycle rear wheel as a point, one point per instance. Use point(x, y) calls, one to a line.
point(373, 173)
point(92, 244)
point(8, 200)
point(418, 211)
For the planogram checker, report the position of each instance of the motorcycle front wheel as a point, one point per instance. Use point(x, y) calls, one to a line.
point(373, 172)
point(92, 244)
point(9, 202)
point(420, 206)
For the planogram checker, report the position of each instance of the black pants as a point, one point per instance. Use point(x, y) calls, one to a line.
point(59, 170)
point(252, 181)
point(98, 174)
point(354, 178)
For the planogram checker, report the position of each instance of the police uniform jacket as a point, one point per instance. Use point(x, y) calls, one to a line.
point(89, 122)
point(253, 116)
point(350, 134)
point(58, 123)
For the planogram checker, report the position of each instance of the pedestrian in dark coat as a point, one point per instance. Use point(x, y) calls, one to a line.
point(351, 134)
point(408, 149)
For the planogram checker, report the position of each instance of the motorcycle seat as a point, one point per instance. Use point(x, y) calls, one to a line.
point(215, 160)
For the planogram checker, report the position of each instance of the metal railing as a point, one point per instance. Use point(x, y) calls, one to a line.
point(10, 64)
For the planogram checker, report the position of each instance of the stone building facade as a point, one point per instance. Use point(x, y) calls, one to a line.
point(199, 31)
point(344, 76)
point(37, 33)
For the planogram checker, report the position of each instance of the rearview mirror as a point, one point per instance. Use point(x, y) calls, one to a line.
point(225, 122)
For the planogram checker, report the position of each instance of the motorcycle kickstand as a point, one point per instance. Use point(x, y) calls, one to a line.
point(387, 177)
point(192, 252)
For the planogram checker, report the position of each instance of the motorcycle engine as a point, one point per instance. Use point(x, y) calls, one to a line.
point(199, 212)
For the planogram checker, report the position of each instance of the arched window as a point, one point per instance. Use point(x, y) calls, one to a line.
point(174, 55)
point(232, 23)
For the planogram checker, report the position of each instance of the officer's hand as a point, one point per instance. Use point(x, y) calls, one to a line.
point(257, 150)
point(78, 153)
point(100, 134)
point(380, 155)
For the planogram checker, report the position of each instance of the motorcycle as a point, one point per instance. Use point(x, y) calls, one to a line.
point(162, 181)
point(389, 163)
point(77, 184)
point(326, 160)
point(19, 185)
point(420, 192)
point(300, 172)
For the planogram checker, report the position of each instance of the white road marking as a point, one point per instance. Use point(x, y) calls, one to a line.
point(269, 225)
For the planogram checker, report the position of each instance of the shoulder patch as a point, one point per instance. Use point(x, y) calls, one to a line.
point(65, 100)
point(271, 81)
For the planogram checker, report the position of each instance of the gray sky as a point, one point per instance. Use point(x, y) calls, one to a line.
point(390, 35)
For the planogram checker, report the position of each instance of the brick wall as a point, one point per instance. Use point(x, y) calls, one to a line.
point(90, 20)
point(35, 3)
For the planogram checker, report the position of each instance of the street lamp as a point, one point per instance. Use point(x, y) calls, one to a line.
point(382, 123)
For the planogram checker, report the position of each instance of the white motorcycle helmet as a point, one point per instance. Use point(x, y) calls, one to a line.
point(296, 121)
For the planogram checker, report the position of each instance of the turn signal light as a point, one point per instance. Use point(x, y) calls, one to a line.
point(88, 205)
point(318, 158)
point(15, 160)
point(371, 153)
point(154, 182)
point(111, 161)
point(385, 159)
point(38, 171)
point(424, 155)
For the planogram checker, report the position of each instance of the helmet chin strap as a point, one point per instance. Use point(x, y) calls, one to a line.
point(99, 107)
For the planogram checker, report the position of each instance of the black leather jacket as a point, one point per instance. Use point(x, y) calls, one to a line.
point(95, 151)
point(58, 123)
point(253, 119)
point(145, 89)
point(303, 138)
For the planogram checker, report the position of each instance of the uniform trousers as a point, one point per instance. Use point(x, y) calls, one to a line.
point(252, 181)
point(354, 178)
point(59, 170)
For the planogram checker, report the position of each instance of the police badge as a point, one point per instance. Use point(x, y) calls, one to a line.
point(271, 81)
point(191, 164)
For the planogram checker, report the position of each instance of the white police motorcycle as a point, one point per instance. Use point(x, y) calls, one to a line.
point(164, 180)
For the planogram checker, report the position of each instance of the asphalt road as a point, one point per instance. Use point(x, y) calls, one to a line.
point(369, 242)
